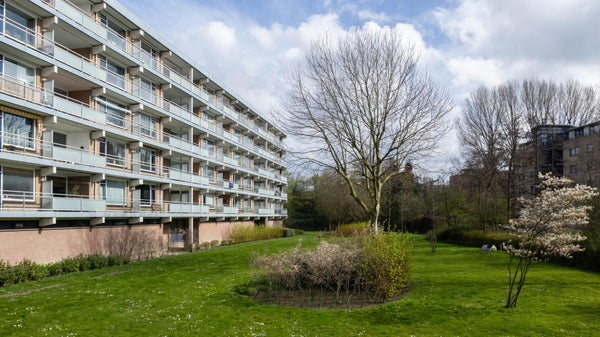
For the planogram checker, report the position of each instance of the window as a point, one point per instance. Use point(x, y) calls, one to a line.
point(148, 159)
point(147, 125)
point(210, 146)
point(208, 199)
point(18, 184)
point(19, 26)
point(589, 148)
point(209, 172)
point(17, 71)
point(113, 151)
point(573, 169)
point(579, 133)
point(573, 151)
point(148, 55)
point(18, 131)
point(60, 139)
point(147, 194)
point(180, 196)
point(115, 112)
point(115, 73)
point(113, 192)
point(148, 91)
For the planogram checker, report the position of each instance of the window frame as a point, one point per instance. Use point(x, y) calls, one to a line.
point(17, 194)
point(8, 134)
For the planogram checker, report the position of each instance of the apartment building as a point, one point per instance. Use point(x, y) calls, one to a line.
point(106, 128)
point(563, 150)
point(581, 153)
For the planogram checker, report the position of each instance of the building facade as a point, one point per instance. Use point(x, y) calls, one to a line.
point(563, 150)
point(107, 130)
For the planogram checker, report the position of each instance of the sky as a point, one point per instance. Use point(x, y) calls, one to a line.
point(250, 46)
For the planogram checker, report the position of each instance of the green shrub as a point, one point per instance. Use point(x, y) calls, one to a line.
point(4, 273)
point(69, 265)
point(98, 261)
point(288, 232)
point(84, 262)
point(27, 270)
point(386, 264)
point(241, 234)
point(474, 237)
point(353, 229)
point(55, 269)
point(117, 260)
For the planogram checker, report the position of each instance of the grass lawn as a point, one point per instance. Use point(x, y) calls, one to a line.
point(455, 292)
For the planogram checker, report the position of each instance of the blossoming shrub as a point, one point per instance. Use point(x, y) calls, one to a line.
point(375, 266)
point(548, 225)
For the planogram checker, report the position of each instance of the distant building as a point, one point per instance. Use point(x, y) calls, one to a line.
point(106, 127)
point(564, 151)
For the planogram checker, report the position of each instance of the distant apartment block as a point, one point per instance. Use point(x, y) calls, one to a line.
point(106, 127)
point(563, 150)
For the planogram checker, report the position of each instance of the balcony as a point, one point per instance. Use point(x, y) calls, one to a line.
point(230, 185)
point(73, 156)
point(73, 204)
point(176, 207)
point(87, 21)
point(27, 36)
point(227, 210)
point(263, 211)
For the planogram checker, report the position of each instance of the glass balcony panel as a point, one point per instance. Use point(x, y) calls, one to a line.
point(76, 204)
point(77, 157)
point(116, 39)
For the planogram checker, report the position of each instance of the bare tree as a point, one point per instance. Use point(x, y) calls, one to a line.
point(577, 104)
point(359, 102)
point(511, 119)
point(482, 132)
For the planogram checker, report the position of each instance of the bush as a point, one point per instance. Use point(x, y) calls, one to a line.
point(378, 266)
point(69, 265)
point(24, 271)
point(474, 237)
point(241, 234)
point(27, 270)
point(353, 229)
point(386, 264)
point(98, 261)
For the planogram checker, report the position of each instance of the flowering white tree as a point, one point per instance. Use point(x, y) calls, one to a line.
point(547, 226)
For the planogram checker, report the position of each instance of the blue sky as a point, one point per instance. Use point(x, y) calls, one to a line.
point(250, 45)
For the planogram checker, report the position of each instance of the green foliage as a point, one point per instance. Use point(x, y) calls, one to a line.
point(240, 234)
point(23, 271)
point(26, 270)
point(473, 237)
point(353, 229)
point(386, 264)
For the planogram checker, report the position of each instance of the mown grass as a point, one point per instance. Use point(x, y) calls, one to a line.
point(457, 291)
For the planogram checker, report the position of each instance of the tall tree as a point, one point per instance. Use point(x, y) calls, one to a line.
point(359, 102)
point(481, 131)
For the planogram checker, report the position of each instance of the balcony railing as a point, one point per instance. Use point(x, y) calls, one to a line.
point(37, 41)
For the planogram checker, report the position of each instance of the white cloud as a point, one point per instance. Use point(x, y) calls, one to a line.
point(510, 39)
point(369, 15)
